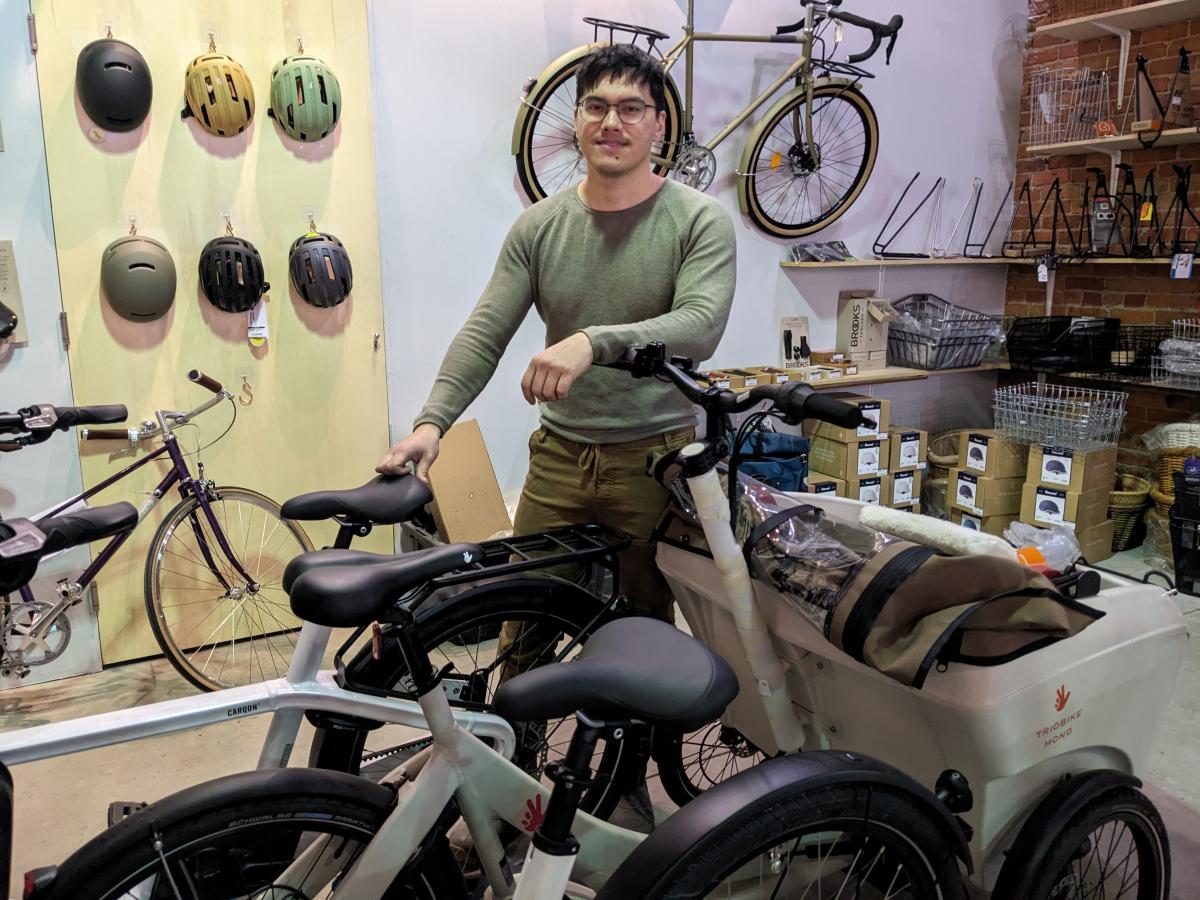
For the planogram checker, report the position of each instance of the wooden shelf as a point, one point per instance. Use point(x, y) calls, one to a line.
point(891, 374)
point(1134, 18)
point(1170, 138)
point(876, 263)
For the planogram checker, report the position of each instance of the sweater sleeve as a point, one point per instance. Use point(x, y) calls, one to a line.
point(476, 350)
point(703, 296)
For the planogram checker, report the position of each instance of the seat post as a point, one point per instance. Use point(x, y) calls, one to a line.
point(571, 777)
point(348, 531)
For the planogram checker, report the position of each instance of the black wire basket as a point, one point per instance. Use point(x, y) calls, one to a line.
point(934, 334)
point(1063, 343)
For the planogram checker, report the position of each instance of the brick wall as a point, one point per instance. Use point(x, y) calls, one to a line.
point(1141, 294)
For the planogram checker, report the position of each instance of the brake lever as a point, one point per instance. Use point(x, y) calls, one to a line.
point(887, 54)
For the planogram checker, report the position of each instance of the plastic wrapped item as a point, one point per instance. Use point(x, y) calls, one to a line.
point(1180, 356)
point(1057, 544)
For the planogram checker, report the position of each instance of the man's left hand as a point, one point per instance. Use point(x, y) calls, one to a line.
point(552, 372)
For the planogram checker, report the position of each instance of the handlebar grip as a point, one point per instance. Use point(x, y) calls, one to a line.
point(69, 416)
point(834, 411)
point(104, 434)
point(204, 381)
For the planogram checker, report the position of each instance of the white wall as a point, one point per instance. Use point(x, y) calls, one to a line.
point(447, 88)
point(36, 372)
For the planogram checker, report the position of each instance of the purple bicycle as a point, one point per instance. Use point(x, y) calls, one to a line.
point(215, 566)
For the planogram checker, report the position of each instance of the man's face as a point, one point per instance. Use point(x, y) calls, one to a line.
point(611, 146)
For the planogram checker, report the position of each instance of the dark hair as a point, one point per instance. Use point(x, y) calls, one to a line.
point(622, 62)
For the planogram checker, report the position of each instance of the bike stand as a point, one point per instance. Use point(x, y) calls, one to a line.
point(971, 249)
point(880, 247)
point(1030, 242)
point(1182, 210)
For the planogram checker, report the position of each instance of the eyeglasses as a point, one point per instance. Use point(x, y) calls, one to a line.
point(631, 112)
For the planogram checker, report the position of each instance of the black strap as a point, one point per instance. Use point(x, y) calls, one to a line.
point(875, 595)
point(769, 525)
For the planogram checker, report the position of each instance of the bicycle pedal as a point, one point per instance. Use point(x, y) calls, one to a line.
point(123, 810)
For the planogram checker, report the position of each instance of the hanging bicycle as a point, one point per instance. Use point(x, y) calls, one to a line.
point(806, 159)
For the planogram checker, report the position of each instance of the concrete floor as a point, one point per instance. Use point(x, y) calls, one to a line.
point(60, 803)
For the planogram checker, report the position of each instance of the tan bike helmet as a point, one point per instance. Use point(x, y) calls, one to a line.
point(219, 94)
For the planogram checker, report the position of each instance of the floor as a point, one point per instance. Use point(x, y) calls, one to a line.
point(62, 802)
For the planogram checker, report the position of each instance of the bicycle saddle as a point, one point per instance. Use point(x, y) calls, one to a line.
point(385, 500)
point(631, 668)
point(82, 526)
point(344, 596)
point(323, 559)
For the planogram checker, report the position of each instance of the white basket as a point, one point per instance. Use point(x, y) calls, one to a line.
point(1066, 103)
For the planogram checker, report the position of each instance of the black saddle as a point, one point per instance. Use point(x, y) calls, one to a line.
point(631, 668)
point(81, 526)
point(324, 559)
point(385, 500)
point(351, 592)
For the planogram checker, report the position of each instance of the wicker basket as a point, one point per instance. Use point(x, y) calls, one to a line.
point(1126, 507)
point(1169, 462)
point(1158, 532)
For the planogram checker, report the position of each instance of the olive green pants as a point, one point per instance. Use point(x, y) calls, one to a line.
point(575, 484)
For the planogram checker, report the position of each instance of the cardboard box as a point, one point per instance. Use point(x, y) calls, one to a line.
point(813, 374)
point(910, 446)
point(987, 524)
point(720, 379)
point(878, 411)
point(986, 453)
point(817, 483)
point(869, 360)
point(871, 489)
point(467, 504)
point(862, 320)
point(1042, 505)
point(772, 375)
point(985, 496)
point(906, 489)
point(865, 457)
point(827, 357)
point(1072, 470)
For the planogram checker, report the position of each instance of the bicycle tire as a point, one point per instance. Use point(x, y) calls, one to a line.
point(690, 764)
point(766, 188)
point(556, 94)
point(864, 822)
point(342, 748)
point(231, 824)
point(271, 615)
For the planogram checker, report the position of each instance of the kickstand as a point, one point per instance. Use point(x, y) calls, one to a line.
point(880, 247)
point(971, 249)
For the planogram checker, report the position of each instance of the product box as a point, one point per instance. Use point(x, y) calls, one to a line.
point(868, 360)
point(817, 483)
point(985, 496)
point(467, 503)
point(906, 489)
point(909, 448)
point(862, 320)
point(795, 352)
point(1072, 470)
point(865, 457)
point(721, 379)
point(814, 374)
point(987, 524)
point(986, 453)
point(772, 375)
point(1042, 505)
point(828, 357)
point(876, 410)
point(872, 489)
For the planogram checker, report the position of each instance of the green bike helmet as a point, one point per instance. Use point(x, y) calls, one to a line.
point(219, 94)
point(306, 99)
point(114, 84)
point(138, 278)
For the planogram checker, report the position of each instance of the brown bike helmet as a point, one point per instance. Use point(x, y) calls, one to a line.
point(320, 269)
point(138, 277)
point(219, 94)
point(231, 274)
point(114, 84)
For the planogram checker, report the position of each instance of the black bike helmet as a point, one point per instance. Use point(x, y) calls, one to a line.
point(1048, 506)
point(975, 453)
point(138, 278)
point(964, 490)
point(320, 269)
point(231, 274)
point(114, 84)
point(1055, 466)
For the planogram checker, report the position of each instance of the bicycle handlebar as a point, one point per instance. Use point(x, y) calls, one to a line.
point(878, 30)
point(205, 381)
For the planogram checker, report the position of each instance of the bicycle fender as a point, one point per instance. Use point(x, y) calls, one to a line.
point(743, 182)
point(524, 109)
point(1045, 823)
point(705, 817)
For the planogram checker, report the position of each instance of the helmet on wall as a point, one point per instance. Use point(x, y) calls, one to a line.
point(114, 84)
point(219, 94)
point(231, 274)
point(138, 278)
point(320, 269)
point(306, 99)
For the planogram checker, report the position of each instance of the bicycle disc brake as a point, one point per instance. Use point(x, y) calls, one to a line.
point(696, 167)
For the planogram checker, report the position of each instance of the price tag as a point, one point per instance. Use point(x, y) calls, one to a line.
point(256, 322)
point(1181, 265)
point(1043, 271)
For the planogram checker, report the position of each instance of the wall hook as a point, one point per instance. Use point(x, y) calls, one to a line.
point(247, 393)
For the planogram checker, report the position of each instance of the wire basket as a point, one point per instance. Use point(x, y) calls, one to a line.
point(1186, 329)
point(931, 333)
point(1134, 352)
point(1059, 416)
point(1066, 103)
point(1062, 343)
point(1176, 371)
point(1075, 9)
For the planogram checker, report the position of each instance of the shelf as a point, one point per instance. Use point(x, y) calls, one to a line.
point(875, 263)
point(1170, 138)
point(1135, 18)
point(893, 373)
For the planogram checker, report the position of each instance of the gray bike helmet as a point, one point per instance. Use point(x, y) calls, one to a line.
point(114, 84)
point(138, 278)
point(965, 491)
point(231, 274)
point(975, 453)
point(320, 269)
point(1055, 466)
point(1048, 506)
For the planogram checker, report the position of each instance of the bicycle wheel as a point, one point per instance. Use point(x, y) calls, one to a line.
point(1114, 847)
point(548, 157)
point(793, 189)
point(690, 764)
point(461, 632)
point(861, 840)
point(236, 837)
point(217, 628)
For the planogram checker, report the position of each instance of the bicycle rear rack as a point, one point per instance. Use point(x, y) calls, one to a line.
point(507, 556)
point(650, 34)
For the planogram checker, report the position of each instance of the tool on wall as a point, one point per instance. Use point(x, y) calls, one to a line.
point(1148, 217)
point(1180, 211)
point(1148, 112)
point(880, 247)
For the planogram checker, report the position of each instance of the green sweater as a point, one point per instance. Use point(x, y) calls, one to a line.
point(659, 271)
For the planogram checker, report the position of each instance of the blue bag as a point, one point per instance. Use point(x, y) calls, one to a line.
point(779, 460)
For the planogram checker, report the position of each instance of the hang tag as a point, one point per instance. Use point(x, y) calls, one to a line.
point(1181, 265)
point(256, 322)
point(1147, 213)
point(1043, 271)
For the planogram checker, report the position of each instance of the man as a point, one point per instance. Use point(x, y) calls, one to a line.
point(625, 258)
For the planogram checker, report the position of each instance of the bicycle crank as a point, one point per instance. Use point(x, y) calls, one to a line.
point(696, 167)
point(29, 640)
